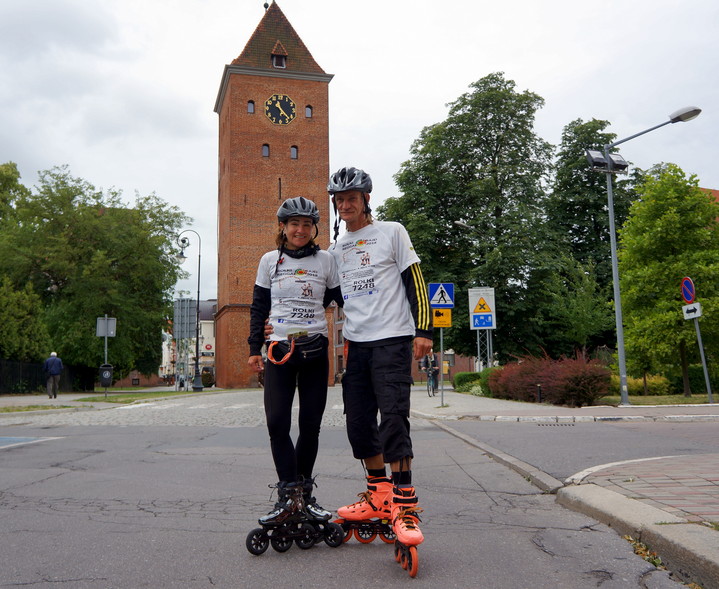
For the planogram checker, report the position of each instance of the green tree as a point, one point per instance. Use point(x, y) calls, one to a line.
point(87, 253)
point(484, 165)
point(23, 334)
point(577, 205)
point(671, 232)
point(577, 312)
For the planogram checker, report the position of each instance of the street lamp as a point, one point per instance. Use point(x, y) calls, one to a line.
point(184, 242)
point(612, 163)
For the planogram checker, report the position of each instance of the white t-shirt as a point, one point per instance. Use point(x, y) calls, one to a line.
point(297, 290)
point(370, 262)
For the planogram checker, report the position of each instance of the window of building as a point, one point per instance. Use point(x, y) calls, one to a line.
point(265, 150)
point(308, 111)
point(251, 107)
point(279, 61)
point(294, 152)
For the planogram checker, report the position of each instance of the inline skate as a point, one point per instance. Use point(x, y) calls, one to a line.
point(295, 517)
point(405, 523)
point(371, 515)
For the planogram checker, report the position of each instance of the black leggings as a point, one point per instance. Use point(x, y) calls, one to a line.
point(310, 378)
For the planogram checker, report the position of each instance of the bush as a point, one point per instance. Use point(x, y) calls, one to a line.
point(208, 379)
point(463, 381)
point(656, 385)
point(697, 382)
point(574, 382)
point(483, 381)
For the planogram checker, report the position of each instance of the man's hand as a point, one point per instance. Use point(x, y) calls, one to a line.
point(422, 346)
point(269, 330)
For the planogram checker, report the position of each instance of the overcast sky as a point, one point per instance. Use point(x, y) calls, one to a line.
point(123, 91)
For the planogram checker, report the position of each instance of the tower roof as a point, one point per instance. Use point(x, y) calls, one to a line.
point(276, 36)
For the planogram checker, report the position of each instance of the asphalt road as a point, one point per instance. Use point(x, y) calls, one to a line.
point(163, 494)
point(564, 449)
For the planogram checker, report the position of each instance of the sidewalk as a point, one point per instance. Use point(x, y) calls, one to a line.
point(664, 502)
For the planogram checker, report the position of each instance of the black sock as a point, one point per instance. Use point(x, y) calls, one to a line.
point(377, 472)
point(402, 479)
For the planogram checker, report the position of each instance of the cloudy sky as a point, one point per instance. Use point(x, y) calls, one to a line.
point(123, 90)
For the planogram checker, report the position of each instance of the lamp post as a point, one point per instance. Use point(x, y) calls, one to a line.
point(609, 164)
point(184, 242)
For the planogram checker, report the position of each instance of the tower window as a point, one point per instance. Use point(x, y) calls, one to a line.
point(265, 150)
point(251, 107)
point(308, 111)
point(279, 61)
point(294, 152)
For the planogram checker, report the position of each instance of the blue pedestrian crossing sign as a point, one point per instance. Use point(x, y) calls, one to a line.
point(441, 295)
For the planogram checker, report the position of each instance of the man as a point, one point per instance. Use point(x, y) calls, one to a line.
point(387, 324)
point(53, 370)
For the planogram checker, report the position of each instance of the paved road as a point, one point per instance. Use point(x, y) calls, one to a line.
point(162, 495)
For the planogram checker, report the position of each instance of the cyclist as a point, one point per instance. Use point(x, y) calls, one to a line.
point(429, 366)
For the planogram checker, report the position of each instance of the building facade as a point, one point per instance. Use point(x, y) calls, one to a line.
point(273, 145)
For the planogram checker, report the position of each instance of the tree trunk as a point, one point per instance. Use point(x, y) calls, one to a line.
point(685, 369)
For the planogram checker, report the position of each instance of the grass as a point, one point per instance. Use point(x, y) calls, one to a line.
point(16, 408)
point(129, 397)
point(655, 400)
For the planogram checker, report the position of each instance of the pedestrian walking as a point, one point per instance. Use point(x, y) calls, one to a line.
point(53, 370)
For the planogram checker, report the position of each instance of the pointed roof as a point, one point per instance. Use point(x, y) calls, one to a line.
point(275, 35)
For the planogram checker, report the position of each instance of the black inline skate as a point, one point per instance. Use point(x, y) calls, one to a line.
point(296, 517)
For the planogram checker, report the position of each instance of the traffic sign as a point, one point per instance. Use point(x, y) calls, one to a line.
point(442, 317)
point(692, 311)
point(481, 309)
point(441, 295)
point(688, 290)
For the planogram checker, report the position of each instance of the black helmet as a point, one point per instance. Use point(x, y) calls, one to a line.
point(349, 179)
point(298, 206)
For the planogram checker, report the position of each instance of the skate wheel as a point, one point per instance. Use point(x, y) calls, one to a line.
point(397, 551)
point(346, 530)
point(365, 534)
point(279, 542)
point(387, 537)
point(257, 541)
point(412, 561)
point(307, 538)
point(334, 535)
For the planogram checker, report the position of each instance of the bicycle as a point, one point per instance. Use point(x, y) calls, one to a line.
point(431, 383)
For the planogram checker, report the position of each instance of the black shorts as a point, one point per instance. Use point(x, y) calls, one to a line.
point(378, 379)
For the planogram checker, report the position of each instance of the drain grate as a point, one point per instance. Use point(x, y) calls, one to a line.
point(555, 424)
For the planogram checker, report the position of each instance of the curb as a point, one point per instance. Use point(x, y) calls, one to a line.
point(566, 419)
point(689, 550)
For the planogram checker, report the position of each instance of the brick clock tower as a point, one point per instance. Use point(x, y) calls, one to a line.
point(273, 145)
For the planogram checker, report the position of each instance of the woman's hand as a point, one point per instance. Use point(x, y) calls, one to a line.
point(256, 363)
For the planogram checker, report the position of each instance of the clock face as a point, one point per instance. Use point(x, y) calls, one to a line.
point(280, 109)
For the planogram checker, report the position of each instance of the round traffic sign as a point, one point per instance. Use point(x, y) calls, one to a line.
point(688, 290)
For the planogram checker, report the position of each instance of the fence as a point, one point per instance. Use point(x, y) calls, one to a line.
point(24, 377)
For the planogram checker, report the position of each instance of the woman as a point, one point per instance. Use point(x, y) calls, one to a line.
point(294, 285)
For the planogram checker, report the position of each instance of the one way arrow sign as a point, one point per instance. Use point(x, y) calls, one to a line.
point(692, 311)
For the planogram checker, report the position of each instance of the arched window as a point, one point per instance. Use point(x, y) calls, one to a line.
point(308, 111)
point(294, 152)
point(265, 150)
point(251, 107)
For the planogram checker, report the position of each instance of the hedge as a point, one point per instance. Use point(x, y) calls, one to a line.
point(574, 382)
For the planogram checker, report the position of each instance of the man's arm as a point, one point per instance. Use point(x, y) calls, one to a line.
point(416, 291)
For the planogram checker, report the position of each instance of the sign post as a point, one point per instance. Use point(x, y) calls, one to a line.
point(106, 327)
point(693, 310)
point(483, 317)
point(441, 296)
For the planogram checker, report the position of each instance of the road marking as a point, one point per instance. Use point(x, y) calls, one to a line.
point(577, 478)
point(12, 442)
